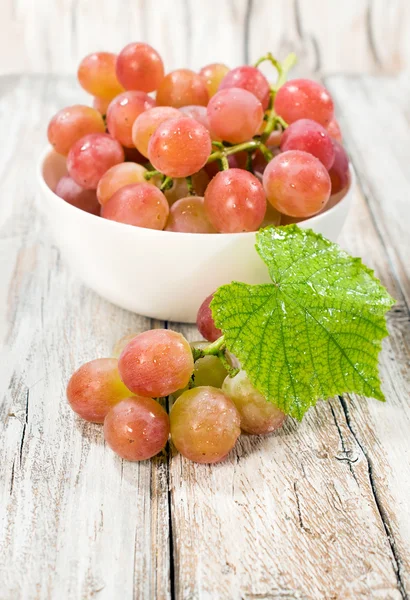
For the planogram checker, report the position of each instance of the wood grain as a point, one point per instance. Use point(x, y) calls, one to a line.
point(353, 36)
point(319, 511)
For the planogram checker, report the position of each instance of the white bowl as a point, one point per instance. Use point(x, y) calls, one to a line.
point(160, 274)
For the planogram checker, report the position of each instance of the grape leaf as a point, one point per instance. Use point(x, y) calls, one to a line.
point(316, 331)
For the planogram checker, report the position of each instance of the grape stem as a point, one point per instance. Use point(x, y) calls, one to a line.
point(218, 349)
point(282, 68)
point(249, 146)
point(190, 185)
point(150, 174)
point(166, 184)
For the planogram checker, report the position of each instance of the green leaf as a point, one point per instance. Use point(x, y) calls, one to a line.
point(316, 331)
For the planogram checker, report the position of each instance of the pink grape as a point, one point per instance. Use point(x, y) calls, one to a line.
point(309, 136)
point(296, 183)
point(258, 416)
point(77, 196)
point(339, 173)
point(274, 138)
point(179, 147)
point(188, 215)
point(235, 201)
point(250, 79)
point(147, 122)
point(96, 75)
point(94, 388)
point(235, 115)
point(205, 321)
point(136, 428)
point(179, 188)
point(123, 111)
point(334, 130)
point(213, 75)
point(182, 88)
point(204, 424)
point(101, 104)
point(139, 67)
point(235, 161)
point(71, 124)
point(91, 156)
point(196, 112)
point(304, 99)
point(138, 204)
point(118, 177)
point(156, 363)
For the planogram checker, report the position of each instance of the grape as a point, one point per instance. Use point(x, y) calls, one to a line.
point(118, 177)
point(196, 112)
point(179, 188)
point(182, 88)
point(123, 111)
point(188, 215)
point(235, 115)
point(296, 183)
point(121, 343)
point(138, 204)
point(156, 363)
point(139, 67)
point(72, 123)
point(147, 122)
point(274, 138)
point(101, 104)
point(272, 216)
point(258, 416)
point(339, 173)
point(235, 201)
point(204, 424)
point(136, 428)
point(304, 99)
point(209, 370)
point(213, 75)
point(96, 75)
point(91, 156)
point(94, 388)
point(179, 147)
point(74, 194)
point(205, 321)
point(334, 131)
point(235, 161)
point(309, 136)
point(250, 79)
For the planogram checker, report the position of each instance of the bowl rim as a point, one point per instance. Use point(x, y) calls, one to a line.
point(125, 227)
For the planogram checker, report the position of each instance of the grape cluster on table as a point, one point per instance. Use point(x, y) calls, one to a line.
point(210, 406)
point(219, 151)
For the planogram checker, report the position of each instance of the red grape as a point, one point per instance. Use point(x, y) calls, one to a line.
point(274, 138)
point(94, 388)
point(179, 188)
point(118, 177)
point(101, 104)
point(74, 194)
point(138, 204)
point(147, 122)
point(188, 215)
point(91, 156)
point(213, 75)
point(123, 111)
point(339, 173)
point(182, 88)
point(179, 147)
point(258, 416)
point(205, 321)
point(197, 112)
point(311, 137)
point(304, 99)
point(235, 115)
point(139, 67)
point(250, 79)
point(334, 131)
point(96, 75)
point(156, 363)
point(204, 424)
point(235, 201)
point(296, 183)
point(136, 428)
point(71, 124)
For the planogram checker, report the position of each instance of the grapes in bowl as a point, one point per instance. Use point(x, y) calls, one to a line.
point(155, 199)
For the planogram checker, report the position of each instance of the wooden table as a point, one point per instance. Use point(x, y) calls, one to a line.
point(319, 511)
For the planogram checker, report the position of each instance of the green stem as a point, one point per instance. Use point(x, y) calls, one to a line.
point(268, 155)
point(218, 145)
point(191, 190)
point(150, 174)
point(232, 371)
point(166, 184)
point(215, 347)
point(249, 165)
point(224, 163)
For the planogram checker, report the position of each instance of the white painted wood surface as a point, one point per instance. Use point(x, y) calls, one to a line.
point(320, 511)
point(328, 35)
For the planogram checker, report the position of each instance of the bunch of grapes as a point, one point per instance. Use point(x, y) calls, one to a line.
point(213, 399)
point(219, 151)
